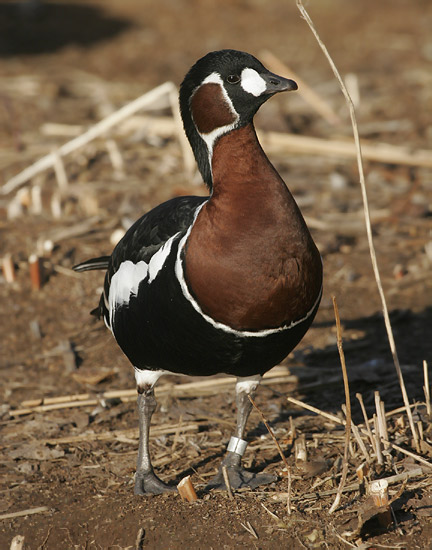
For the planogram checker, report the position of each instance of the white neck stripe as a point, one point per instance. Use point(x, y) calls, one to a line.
point(210, 138)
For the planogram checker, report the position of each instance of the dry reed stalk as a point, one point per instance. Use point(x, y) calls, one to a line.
point(362, 471)
point(116, 158)
point(337, 420)
point(366, 419)
point(56, 206)
point(36, 199)
point(8, 268)
point(201, 387)
point(276, 442)
point(378, 445)
point(349, 488)
point(186, 490)
point(28, 512)
point(348, 408)
point(367, 220)
point(380, 415)
point(426, 388)
point(17, 543)
point(311, 408)
point(156, 431)
point(376, 152)
point(60, 172)
point(357, 436)
point(94, 132)
point(227, 481)
point(36, 276)
point(379, 492)
point(139, 542)
point(300, 451)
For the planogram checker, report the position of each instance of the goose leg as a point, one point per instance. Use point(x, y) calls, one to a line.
point(146, 480)
point(238, 476)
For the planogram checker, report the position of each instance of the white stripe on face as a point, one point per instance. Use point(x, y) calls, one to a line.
point(252, 82)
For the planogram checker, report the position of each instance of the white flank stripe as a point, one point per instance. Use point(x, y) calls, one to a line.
point(252, 82)
point(125, 282)
point(157, 260)
point(127, 278)
point(259, 333)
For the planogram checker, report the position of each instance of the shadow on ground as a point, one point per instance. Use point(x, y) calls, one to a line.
point(369, 362)
point(47, 27)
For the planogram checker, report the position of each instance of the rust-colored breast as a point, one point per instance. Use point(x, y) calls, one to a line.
point(210, 109)
point(250, 261)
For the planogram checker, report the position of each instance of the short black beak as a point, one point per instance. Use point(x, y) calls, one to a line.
point(277, 83)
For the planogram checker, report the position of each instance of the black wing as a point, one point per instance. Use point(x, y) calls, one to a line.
point(143, 239)
point(151, 231)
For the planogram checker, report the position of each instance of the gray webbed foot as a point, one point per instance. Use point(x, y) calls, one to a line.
point(149, 483)
point(239, 477)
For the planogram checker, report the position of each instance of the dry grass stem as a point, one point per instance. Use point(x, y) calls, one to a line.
point(357, 436)
point(60, 171)
point(28, 512)
point(140, 539)
point(426, 388)
point(92, 133)
point(270, 431)
point(249, 529)
point(363, 431)
point(381, 426)
point(278, 375)
point(367, 220)
point(186, 490)
point(378, 444)
point(276, 442)
point(311, 408)
point(8, 268)
point(35, 267)
point(348, 408)
point(379, 491)
point(378, 152)
point(366, 419)
point(227, 481)
point(300, 451)
point(17, 543)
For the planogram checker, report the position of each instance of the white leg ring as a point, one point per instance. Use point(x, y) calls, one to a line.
point(237, 445)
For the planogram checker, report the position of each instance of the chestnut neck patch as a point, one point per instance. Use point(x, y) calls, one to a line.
point(210, 109)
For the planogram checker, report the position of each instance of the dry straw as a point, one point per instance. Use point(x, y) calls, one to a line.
point(348, 409)
point(367, 220)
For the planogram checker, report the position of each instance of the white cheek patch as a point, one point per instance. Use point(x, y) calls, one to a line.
point(252, 82)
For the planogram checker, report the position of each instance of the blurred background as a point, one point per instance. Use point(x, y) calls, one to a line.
point(66, 65)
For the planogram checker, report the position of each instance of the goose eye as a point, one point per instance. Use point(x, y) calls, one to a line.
point(233, 78)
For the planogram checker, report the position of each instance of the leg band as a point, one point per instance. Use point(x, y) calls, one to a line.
point(237, 445)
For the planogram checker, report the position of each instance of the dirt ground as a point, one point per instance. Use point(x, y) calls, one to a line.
point(68, 65)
